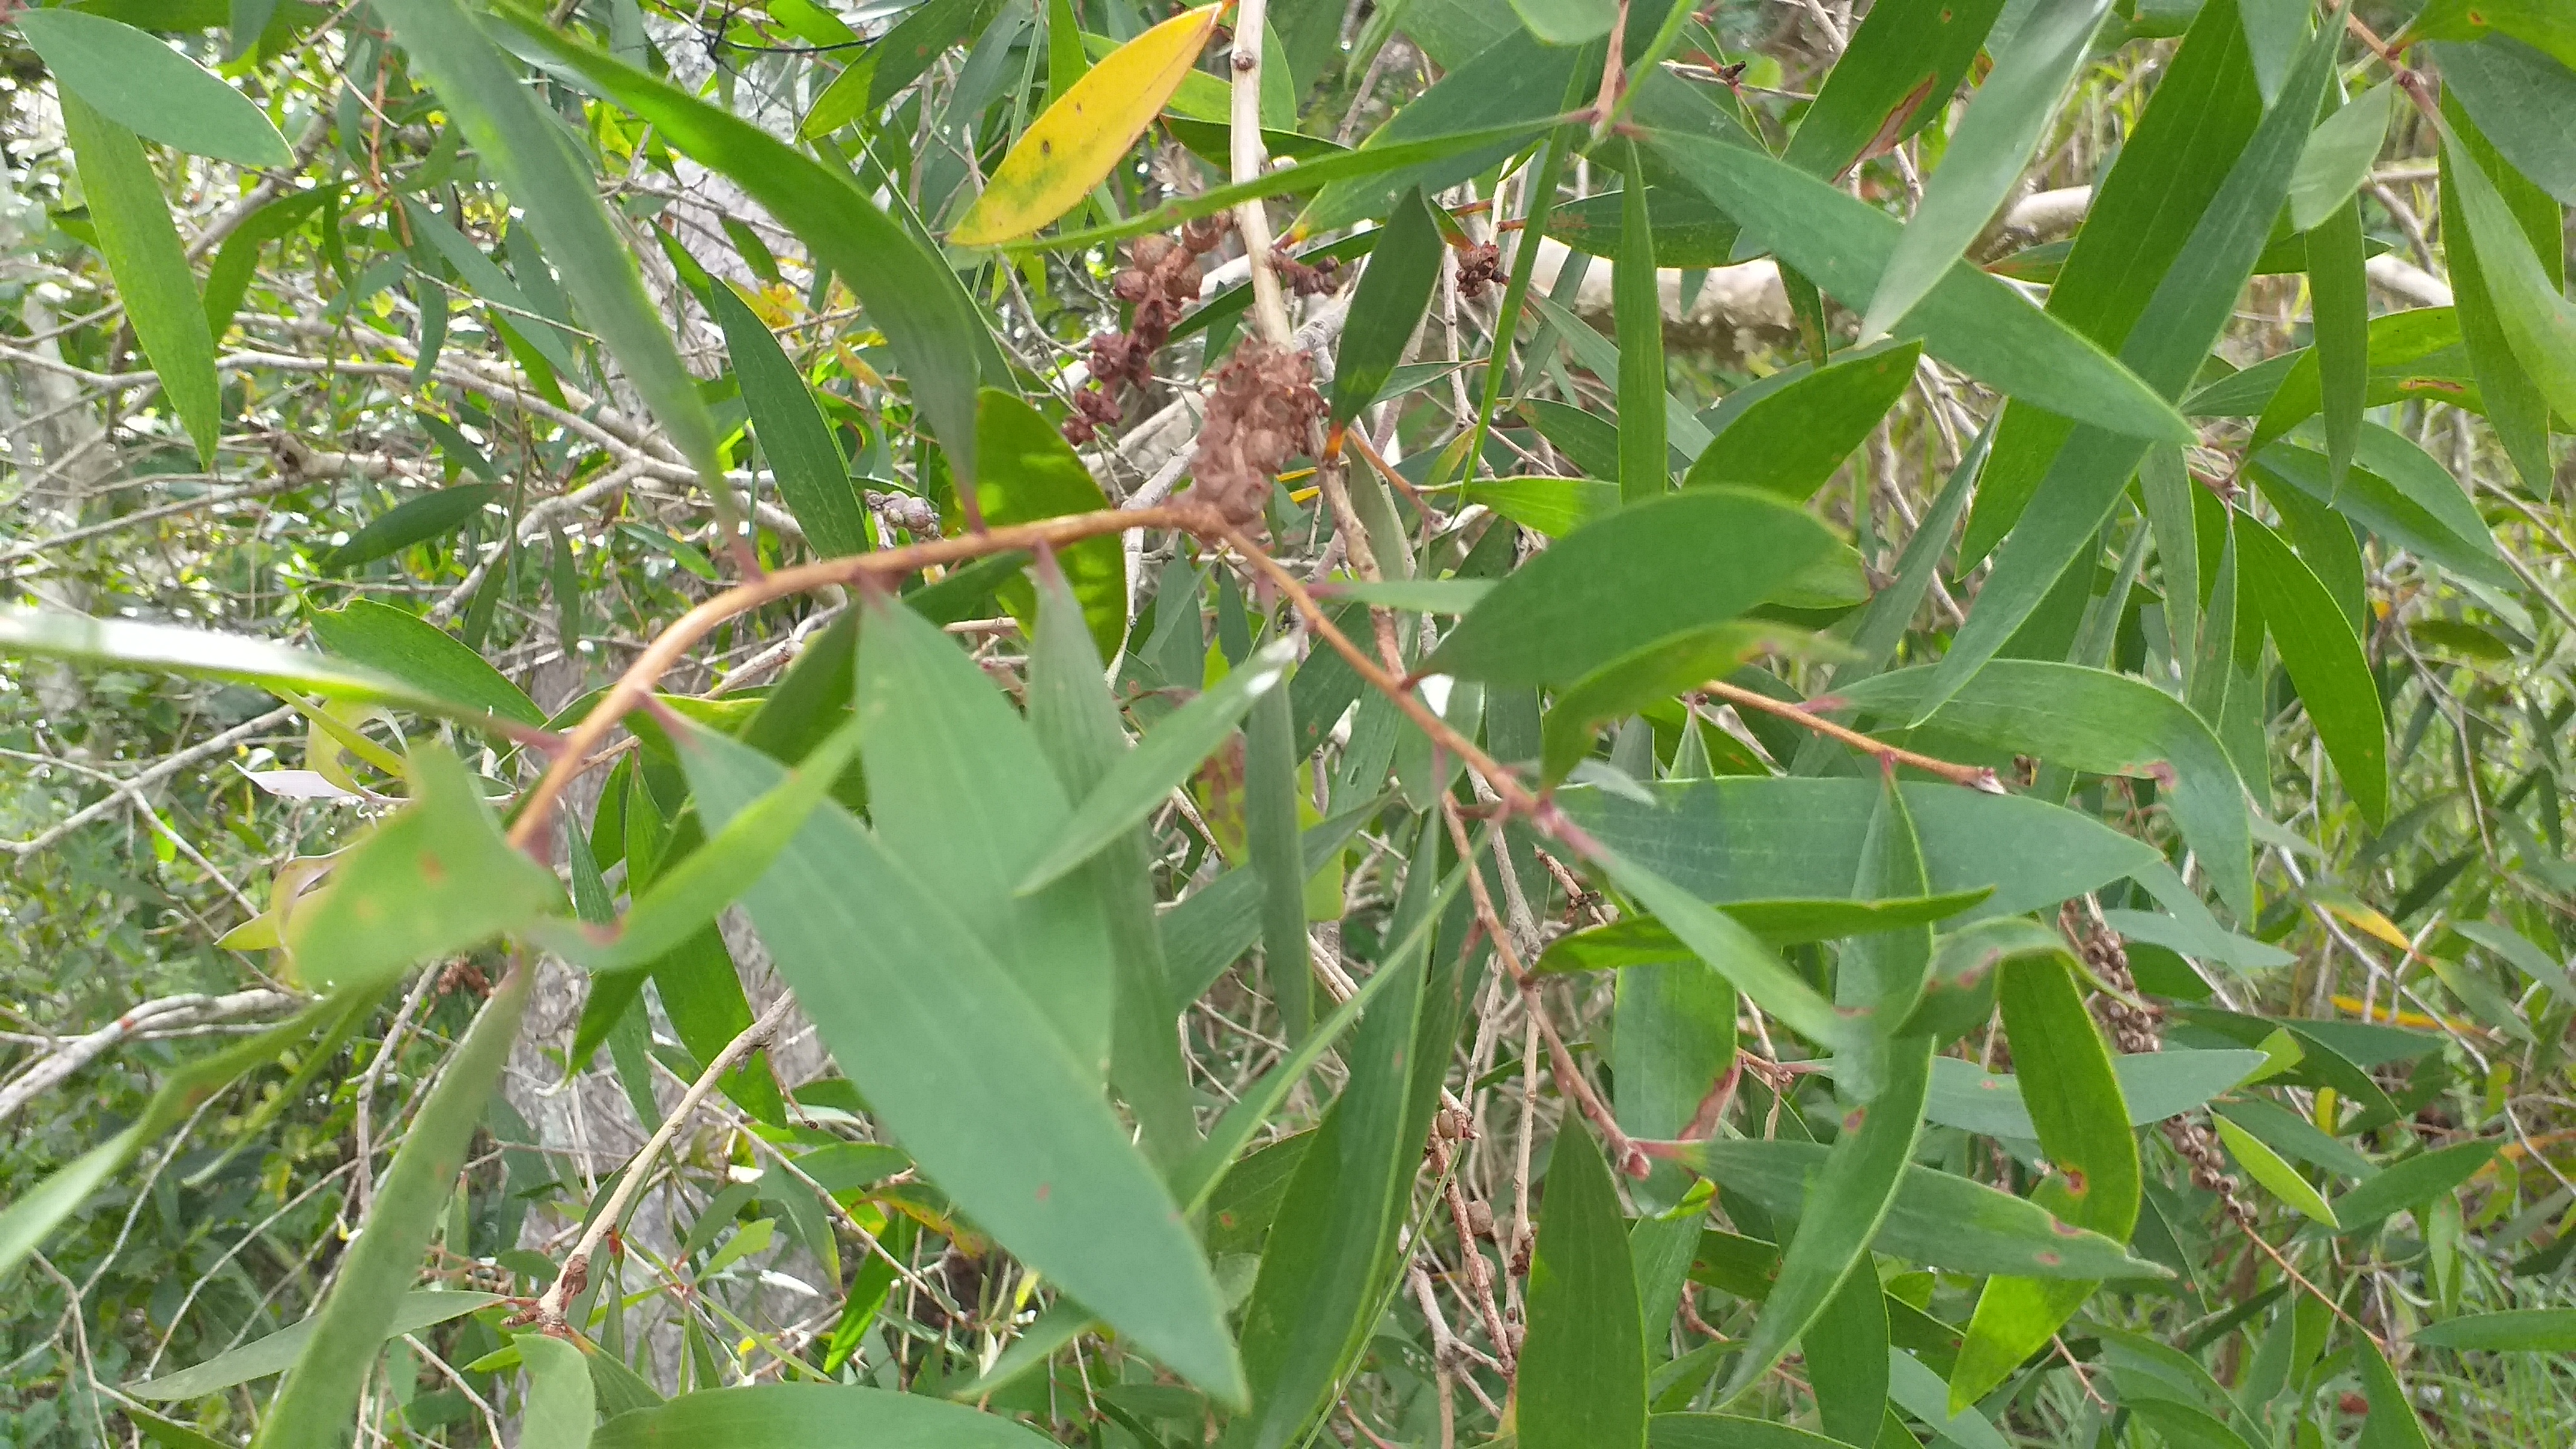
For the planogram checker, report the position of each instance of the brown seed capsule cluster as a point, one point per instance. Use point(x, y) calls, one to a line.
point(1479, 267)
point(1263, 406)
point(1160, 278)
point(1303, 279)
point(914, 515)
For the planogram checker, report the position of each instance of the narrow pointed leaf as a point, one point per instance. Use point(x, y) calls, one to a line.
point(1790, 441)
point(1638, 309)
point(2525, 1330)
point(277, 1352)
point(136, 80)
point(1403, 267)
point(1734, 952)
point(1582, 1378)
point(404, 646)
point(2275, 1176)
point(2325, 661)
point(792, 1416)
point(1080, 138)
point(2538, 321)
point(2338, 156)
point(1028, 472)
point(141, 246)
point(813, 478)
point(1897, 74)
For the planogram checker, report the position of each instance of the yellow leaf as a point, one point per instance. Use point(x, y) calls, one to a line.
point(1079, 140)
point(2364, 918)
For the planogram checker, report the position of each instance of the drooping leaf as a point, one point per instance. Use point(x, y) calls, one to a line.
point(314, 1407)
point(2155, 1086)
point(1641, 941)
point(962, 1066)
point(275, 1353)
point(1647, 572)
point(1402, 269)
point(141, 246)
point(2275, 1176)
point(2525, 1330)
point(1161, 762)
point(2410, 1184)
point(1791, 440)
point(1029, 472)
point(2524, 101)
point(959, 791)
point(1938, 1218)
point(1082, 135)
point(560, 1409)
point(1732, 951)
point(1897, 74)
point(2391, 1422)
point(433, 879)
point(1986, 155)
point(140, 83)
point(813, 478)
point(789, 1416)
point(2399, 492)
point(1516, 82)
point(2338, 156)
point(1583, 1369)
point(522, 145)
point(2094, 720)
point(2514, 401)
point(2325, 661)
point(1970, 320)
point(911, 296)
point(1634, 680)
point(2538, 321)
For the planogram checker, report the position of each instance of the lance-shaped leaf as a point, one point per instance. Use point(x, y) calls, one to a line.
point(1986, 155)
point(911, 296)
point(1516, 81)
point(1643, 941)
point(1161, 762)
point(813, 477)
point(1790, 439)
point(1027, 472)
point(794, 1416)
point(2411, 1184)
point(963, 1067)
point(1938, 1218)
point(141, 246)
point(1897, 74)
point(2392, 1421)
point(2097, 721)
point(1647, 572)
point(2274, 1175)
point(2339, 290)
point(2325, 661)
point(2514, 402)
point(140, 83)
point(2189, 307)
point(2083, 1121)
point(432, 879)
point(1734, 952)
point(2538, 321)
point(561, 1408)
point(1079, 139)
point(1848, 1202)
point(1403, 267)
point(314, 1407)
point(2524, 1330)
point(2525, 103)
point(2396, 490)
point(522, 145)
point(1582, 1377)
point(2338, 156)
point(414, 520)
point(1637, 308)
point(1639, 678)
point(2155, 1085)
point(277, 1352)
point(438, 665)
point(1970, 320)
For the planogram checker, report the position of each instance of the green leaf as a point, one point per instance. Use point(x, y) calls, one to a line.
point(137, 81)
point(2400, 493)
point(1582, 1380)
point(1642, 941)
point(558, 1412)
point(2409, 1185)
point(1732, 951)
point(1076, 723)
point(432, 662)
point(1270, 802)
point(1938, 1218)
point(2339, 290)
point(433, 879)
point(2514, 401)
point(1789, 441)
point(1600, 355)
point(1144, 777)
point(314, 1407)
point(2526, 1330)
point(2325, 661)
point(1903, 62)
point(1882, 973)
point(685, 898)
point(1029, 472)
point(910, 294)
point(1986, 155)
point(2076, 1103)
point(1728, 1431)
point(1689, 231)
point(2338, 156)
point(959, 791)
point(1402, 269)
point(1918, 1390)
point(119, 643)
point(523, 146)
point(1641, 677)
point(2541, 23)
point(813, 477)
point(1637, 308)
point(2180, 321)
point(897, 59)
point(1975, 322)
point(2155, 1086)
point(796, 1416)
point(418, 1309)
point(2525, 103)
point(1516, 85)
point(1567, 22)
point(1333, 1247)
point(2538, 321)
point(1672, 1037)
point(969, 1074)
point(2276, 1176)
point(141, 247)
point(1650, 571)
point(1849, 1200)
point(1552, 506)
point(1219, 921)
point(2096, 721)
point(414, 520)
point(1784, 839)
point(2391, 1422)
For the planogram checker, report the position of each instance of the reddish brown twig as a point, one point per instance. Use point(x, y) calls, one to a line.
point(1975, 777)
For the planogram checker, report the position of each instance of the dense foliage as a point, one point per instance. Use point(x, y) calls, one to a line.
point(1422, 722)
